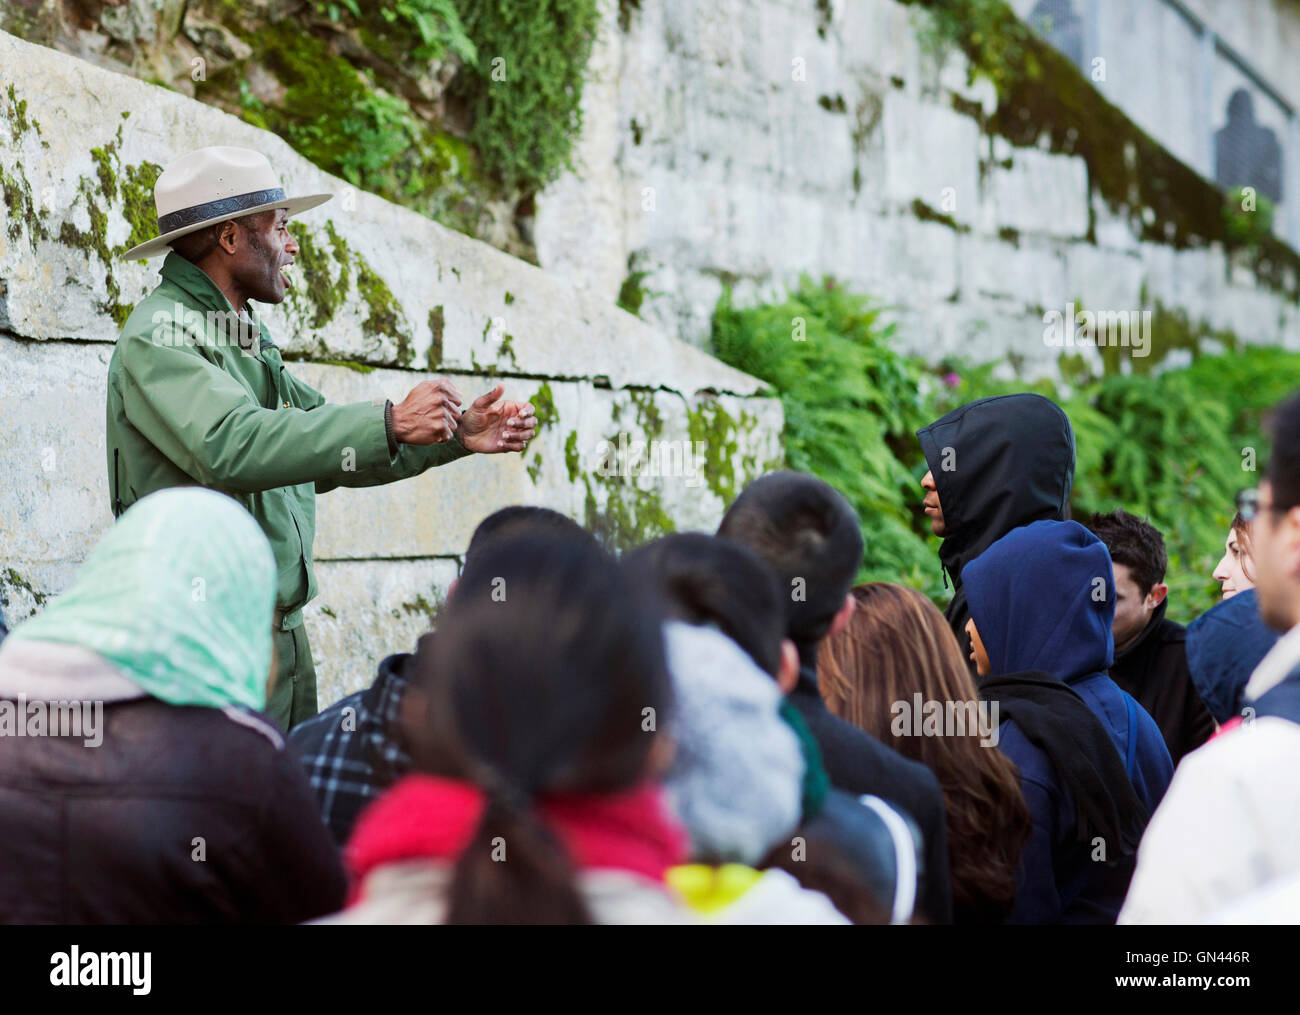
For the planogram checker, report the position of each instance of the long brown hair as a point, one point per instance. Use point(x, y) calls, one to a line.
point(1245, 544)
point(897, 644)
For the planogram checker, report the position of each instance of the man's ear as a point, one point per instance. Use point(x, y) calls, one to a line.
point(228, 238)
point(842, 618)
point(787, 675)
point(451, 590)
point(1157, 594)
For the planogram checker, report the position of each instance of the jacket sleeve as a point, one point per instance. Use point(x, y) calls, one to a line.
point(206, 423)
point(411, 459)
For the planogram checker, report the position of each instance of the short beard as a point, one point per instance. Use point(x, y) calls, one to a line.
point(263, 290)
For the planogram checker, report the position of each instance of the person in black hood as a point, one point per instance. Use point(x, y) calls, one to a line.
point(1150, 649)
point(994, 464)
point(809, 535)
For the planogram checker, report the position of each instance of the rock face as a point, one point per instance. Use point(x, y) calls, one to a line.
point(385, 297)
point(750, 141)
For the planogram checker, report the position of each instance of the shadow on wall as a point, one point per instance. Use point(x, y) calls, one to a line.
point(1247, 153)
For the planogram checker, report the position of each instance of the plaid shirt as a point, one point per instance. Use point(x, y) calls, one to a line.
point(353, 751)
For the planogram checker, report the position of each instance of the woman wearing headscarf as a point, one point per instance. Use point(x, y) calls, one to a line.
point(138, 783)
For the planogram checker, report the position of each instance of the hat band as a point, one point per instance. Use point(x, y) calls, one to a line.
point(214, 211)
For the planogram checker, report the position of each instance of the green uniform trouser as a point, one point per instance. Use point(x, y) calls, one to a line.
point(293, 695)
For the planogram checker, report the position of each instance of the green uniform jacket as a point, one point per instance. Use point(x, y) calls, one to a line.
point(187, 405)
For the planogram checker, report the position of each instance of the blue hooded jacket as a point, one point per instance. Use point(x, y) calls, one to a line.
point(1224, 645)
point(1043, 598)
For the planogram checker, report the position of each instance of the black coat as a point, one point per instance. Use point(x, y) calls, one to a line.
point(1154, 670)
point(112, 834)
point(859, 763)
point(1011, 463)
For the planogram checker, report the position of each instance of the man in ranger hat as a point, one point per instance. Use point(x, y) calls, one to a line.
point(198, 394)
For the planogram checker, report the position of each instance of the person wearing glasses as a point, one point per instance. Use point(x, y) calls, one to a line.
point(1222, 844)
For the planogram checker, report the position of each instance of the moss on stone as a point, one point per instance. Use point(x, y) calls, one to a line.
point(631, 294)
point(13, 579)
point(543, 402)
point(437, 321)
point(19, 124)
point(386, 317)
point(349, 364)
point(927, 214)
point(323, 293)
point(421, 606)
point(572, 461)
point(138, 206)
point(22, 208)
point(507, 351)
point(630, 516)
point(714, 427)
point(648, 416)
point(103, 165)
point(1045, 101)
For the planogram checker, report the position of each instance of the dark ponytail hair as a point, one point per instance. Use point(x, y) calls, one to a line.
point(537, 681)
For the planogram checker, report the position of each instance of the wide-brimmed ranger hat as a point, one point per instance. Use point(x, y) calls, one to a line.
point(211, 185)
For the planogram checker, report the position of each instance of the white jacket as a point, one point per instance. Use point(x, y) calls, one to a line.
point(1230, 823)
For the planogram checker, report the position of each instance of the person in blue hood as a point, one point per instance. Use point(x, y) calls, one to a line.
point(1224, 645)
point(1093, 763)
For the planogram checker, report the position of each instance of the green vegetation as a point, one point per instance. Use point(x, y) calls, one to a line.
point(1173, 446)
point(1247, 224)
point(526, 90)
point(632, 293)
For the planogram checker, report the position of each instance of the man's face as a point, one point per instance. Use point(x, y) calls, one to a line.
point(933, 509)
point(978, 654)
point(1133, 609)
point(264, 247)
point(1276, 538)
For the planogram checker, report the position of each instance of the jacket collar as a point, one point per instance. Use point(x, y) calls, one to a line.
point(1157, 618)
point(196, 282)
point(198, 285)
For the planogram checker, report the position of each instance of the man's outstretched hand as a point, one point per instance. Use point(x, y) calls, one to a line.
point(430, 414)
point(490, 426)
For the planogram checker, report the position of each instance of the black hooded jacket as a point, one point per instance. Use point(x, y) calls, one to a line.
point(1154, 670)
point(1011, 462)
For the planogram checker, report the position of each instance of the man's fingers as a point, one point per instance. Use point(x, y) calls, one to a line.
point(445, 386)
point(489, 398)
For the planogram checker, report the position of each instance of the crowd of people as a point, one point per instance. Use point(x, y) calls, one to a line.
point(712, 728)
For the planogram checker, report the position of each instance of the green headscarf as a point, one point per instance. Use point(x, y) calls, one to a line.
point(178, 596)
